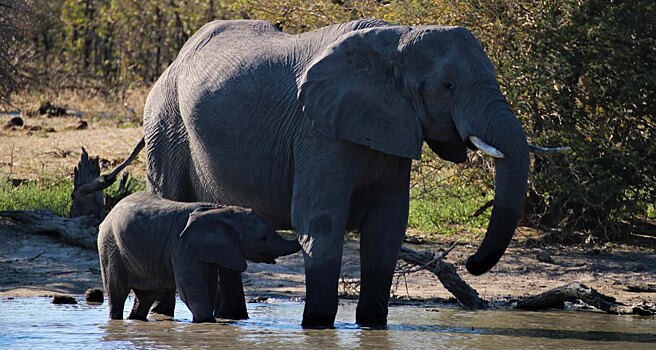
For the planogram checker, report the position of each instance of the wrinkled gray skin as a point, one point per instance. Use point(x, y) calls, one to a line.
point(316, 132)
point(149, 244)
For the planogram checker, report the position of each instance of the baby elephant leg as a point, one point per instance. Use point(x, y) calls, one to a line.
point(116, 296)
point(231, 302)
point(197, 285)
point(142, 303)
point(165, 303)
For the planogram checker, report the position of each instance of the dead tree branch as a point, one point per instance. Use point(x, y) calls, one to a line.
point(556, 298)
point(446, 273)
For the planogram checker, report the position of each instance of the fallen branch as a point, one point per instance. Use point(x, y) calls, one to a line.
point(81, 231)
point(556, 298)
point(446, 273)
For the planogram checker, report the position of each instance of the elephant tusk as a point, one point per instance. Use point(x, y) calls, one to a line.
point(485, 148)
point(547, 150)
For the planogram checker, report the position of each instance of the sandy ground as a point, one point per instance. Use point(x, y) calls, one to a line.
point(35, 265)
point(33, 154)
point(32, 265)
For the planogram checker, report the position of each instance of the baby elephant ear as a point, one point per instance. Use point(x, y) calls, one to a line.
point(351, 91)
point(207, 238)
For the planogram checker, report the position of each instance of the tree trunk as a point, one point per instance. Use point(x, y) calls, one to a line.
point(92, 204)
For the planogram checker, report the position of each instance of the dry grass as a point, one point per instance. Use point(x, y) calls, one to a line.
point(94, 102)
point(113, 130)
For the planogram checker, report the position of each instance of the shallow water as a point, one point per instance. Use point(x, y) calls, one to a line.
point(33, 323)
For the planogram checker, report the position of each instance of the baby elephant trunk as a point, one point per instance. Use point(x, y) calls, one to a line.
point(281, 246)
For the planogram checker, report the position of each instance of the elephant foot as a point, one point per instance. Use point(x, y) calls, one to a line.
point(371, 316)
point(318, 320)
point(238, 314)
point(210, 319)
point(137, 317)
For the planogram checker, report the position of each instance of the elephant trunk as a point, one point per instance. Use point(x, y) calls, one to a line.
point(505, 133)
point(281, 246)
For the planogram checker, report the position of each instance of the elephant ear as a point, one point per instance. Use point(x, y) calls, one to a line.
point(350, 92)
point(209, 239)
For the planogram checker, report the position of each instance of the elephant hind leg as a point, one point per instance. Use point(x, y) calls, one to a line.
point(144, 299)
point(165, 304)
point(116, 295)
point(115, 283)
point(168, 156)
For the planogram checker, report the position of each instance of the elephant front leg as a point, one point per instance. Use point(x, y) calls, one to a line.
point(322, 253)
point(321, 234)
point(231, 303)
point(381, 237)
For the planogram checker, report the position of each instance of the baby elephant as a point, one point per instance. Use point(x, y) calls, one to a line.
point(150, 245)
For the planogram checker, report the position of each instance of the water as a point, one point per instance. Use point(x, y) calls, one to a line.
point(35, 323)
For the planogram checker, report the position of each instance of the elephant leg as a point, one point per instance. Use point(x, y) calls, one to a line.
point(231, 303)
point(320, 208)
point(322, 267)
point(143, 300)
point(194, 280)
point(381, 237)
point(116, 287)
point(165, 303)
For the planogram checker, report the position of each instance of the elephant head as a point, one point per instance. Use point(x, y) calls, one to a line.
point(391, 88)
point(228, 236)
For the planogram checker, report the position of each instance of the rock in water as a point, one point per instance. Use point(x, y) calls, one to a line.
point(94, 295)
point(63, 299)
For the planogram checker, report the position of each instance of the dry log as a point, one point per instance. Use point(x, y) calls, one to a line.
point(556, 298)
point(80, 231)
point(446, 273)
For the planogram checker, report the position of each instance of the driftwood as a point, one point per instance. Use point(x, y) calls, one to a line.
point(80, 231)
point(446, 273)
point(556, 298)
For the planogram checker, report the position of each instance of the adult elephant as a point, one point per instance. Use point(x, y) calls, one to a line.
point(317, 131)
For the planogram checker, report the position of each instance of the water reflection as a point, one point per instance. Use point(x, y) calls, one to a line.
point(35, 323)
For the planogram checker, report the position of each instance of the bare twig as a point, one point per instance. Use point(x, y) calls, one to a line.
point(483, 208)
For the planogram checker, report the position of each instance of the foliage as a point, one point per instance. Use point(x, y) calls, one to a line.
point(12, 15)
point(55, 194)
point(46, 194)
point(577, 72)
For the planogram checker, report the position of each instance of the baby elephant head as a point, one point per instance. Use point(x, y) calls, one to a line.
point(230, 235)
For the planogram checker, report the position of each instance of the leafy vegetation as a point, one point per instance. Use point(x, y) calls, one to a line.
point(55, 194)
point(46, 194)
point(577, 72)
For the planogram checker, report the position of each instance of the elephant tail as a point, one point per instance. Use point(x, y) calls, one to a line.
point(104, 181)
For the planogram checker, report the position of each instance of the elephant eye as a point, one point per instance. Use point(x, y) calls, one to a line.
point(447, 85)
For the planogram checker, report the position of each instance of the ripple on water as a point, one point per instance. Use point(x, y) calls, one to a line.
point(34, 323)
